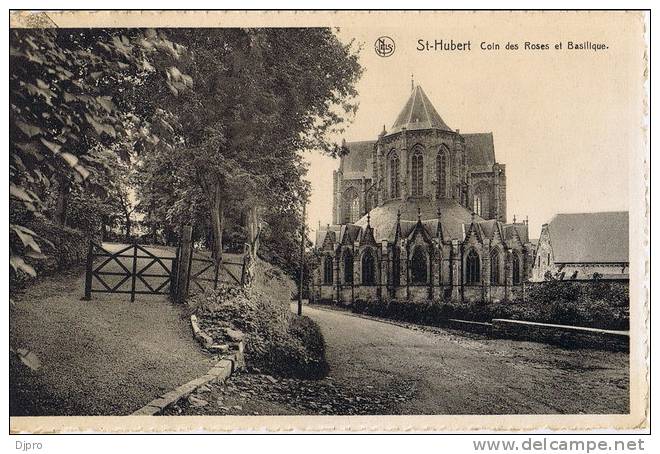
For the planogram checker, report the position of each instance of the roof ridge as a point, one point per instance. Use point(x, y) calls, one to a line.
point(426, 110)
point(413, 96)
point(489, 133)
point(361, 141)
point(592, 212)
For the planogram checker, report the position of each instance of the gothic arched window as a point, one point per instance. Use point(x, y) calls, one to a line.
point(495, 266)
point(439, 255)
point(481, 200)
point(476, 204)
point(396, 267)
point(417, 170)
point(355, 210)
point(418, 266)
point(441, 172)
point(473, 268)
point(395, 186)
point(515, 264)
point(369, 203)
point(351, 206)
point(368, 268)
point(348, 267)
point(327, 270)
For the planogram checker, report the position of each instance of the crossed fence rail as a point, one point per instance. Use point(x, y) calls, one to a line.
point(204, 272)
point(135, 270)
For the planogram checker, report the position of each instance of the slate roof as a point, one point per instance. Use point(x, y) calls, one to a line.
point(357, 162)
point(323, 231)
point(418, 113)
point(589, 237)
point(480, 151)
point(383, 218)
point(454, 223)
point(487, 227)
point(353, 231)
point(520, 229)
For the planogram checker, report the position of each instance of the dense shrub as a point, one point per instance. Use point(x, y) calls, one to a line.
point(276, 341)
point(596, 304)
point(68, 248)
point(301, 353)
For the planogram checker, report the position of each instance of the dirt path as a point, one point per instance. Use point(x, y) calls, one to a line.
point(106, 356)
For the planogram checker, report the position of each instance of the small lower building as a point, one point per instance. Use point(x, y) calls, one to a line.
point(583, 246)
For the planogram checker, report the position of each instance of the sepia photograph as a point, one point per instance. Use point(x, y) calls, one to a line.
point(330, 220)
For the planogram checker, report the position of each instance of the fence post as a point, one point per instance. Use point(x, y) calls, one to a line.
point(88, 270)
point(134, 273)
point(217, 272)
point(243, 270)
point(173, 274)
point(183, 268)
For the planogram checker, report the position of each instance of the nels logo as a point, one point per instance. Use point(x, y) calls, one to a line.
point(384, 46)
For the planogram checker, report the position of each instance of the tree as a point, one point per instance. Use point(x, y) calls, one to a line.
point(64, 103)
point(261, 97)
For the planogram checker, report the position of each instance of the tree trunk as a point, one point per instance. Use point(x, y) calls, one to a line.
point(217, 221)
point(154, 227)
point(254, 228)
point(61, 204)
point(251, 249)
point(128, 228)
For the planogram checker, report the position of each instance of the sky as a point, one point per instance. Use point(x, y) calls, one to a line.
point(565, 123)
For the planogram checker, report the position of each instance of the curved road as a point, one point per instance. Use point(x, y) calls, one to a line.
point(451, 372)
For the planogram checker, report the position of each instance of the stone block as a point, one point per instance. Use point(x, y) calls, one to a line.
point(204, 339)
point(234, 335)
point(218, 348)
point(147, 410)
point(194, 324)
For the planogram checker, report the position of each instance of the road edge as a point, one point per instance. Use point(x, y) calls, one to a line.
point(222, 370)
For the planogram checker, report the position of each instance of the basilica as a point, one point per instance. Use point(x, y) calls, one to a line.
point(420, 214)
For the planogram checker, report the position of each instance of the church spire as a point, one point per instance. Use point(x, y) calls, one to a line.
point(418, 113)
point(412, 82)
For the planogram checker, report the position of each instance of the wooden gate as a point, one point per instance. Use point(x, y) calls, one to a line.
point(132, 269)
point(146, 270)
point(203, 273)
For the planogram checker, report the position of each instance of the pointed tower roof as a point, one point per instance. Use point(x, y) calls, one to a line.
point(418, 113)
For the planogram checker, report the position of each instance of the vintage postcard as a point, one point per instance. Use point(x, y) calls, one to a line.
point(329, 221)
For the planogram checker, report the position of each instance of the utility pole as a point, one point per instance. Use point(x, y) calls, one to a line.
point(302, 260)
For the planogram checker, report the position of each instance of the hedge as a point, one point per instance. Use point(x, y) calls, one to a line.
point(600, 304)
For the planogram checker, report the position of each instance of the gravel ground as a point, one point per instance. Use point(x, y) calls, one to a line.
point(106, 356)
point(257, 394)
point(459, 373)
point(384, 368)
